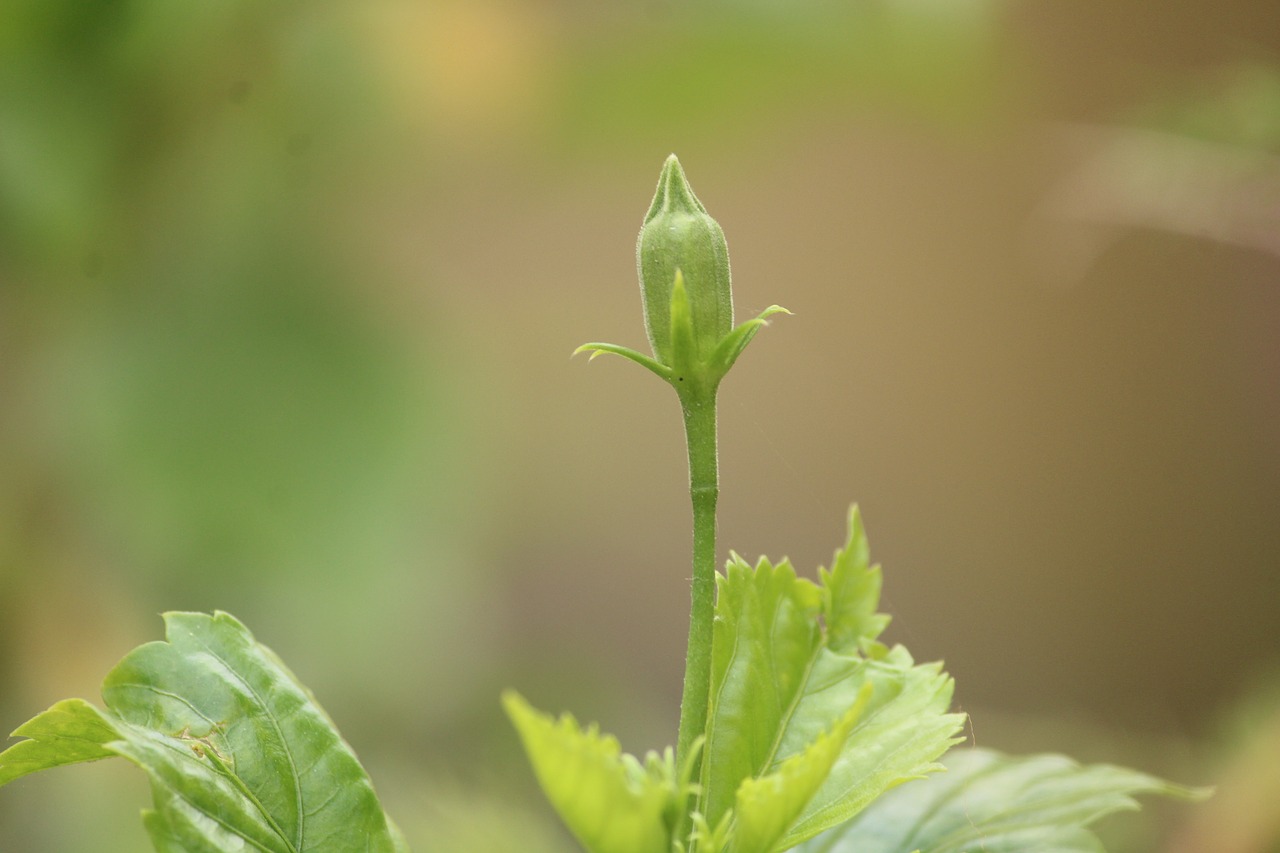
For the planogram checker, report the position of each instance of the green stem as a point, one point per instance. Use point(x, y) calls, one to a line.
point(699, 407)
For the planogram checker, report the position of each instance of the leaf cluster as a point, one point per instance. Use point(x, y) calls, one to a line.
point(810, 719)
point(813, 723)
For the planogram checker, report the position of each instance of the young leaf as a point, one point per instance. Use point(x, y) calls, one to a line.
point(997, 804)
point(779, 682)
point(765, 808)
point(904, 729)
point(851, 592)
point(239, 754)
point(608, 801)
point(70, 732)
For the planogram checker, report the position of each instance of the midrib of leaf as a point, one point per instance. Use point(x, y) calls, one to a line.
point(888, 755)
point(226, 771)
point(784, 720)
point(942, 801)
point(222, 768)
point(712, 731)
point(990, 827)
point(231, 830)
point(294, 780)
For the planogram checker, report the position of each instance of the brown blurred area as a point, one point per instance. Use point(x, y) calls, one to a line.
point(287, 297)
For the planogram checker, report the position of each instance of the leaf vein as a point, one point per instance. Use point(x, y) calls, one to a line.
point(295, 780)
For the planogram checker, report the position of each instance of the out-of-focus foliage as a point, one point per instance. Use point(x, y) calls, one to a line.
point(734, 68)
point(1237, 105)
point(1242, 816)
point(188, 355)
point(1204, 164)
point(202, 407)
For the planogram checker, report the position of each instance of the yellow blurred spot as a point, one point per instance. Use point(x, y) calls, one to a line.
point(469, 70)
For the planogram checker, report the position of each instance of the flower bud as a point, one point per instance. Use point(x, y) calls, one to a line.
point(678, 235)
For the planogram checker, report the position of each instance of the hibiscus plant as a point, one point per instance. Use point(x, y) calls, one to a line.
point(800, 730)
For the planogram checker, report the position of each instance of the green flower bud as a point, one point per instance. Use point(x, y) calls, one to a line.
point(679, 237)
point(683, 262)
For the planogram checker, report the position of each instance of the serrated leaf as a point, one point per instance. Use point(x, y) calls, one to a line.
point(904, 730)
point(766, 807)
point(778, 684)
point(851, 592)
point(70, 732)
point(239, 754)
point(608, 801)
point(994, 803)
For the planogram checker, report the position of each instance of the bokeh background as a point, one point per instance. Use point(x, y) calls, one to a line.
point(287, 297)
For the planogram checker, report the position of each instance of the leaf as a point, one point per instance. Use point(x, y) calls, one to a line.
point(766, 807)
point(70, 732)
point(851, 592)
point(239, 754)
point(608, 801)
point(790, 658)
point(994, 803)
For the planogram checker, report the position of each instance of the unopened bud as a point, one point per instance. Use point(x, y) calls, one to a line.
point(688, 307)
point(678, 235)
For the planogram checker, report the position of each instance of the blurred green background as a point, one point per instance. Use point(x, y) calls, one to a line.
point(287, 293)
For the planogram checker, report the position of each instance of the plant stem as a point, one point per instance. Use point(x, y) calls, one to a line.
point(699, 406)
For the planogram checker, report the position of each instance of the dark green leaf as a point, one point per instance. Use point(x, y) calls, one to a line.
point(239, 753)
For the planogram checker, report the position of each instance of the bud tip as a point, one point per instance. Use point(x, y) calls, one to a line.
point(674, 194)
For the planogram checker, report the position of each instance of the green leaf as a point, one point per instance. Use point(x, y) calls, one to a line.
point(766, 807)
point(905, 728)
point(239, 754)
point(790, 658)
point(608, 800)
point(995, 804)
point(70, 732)
point(851, 592)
